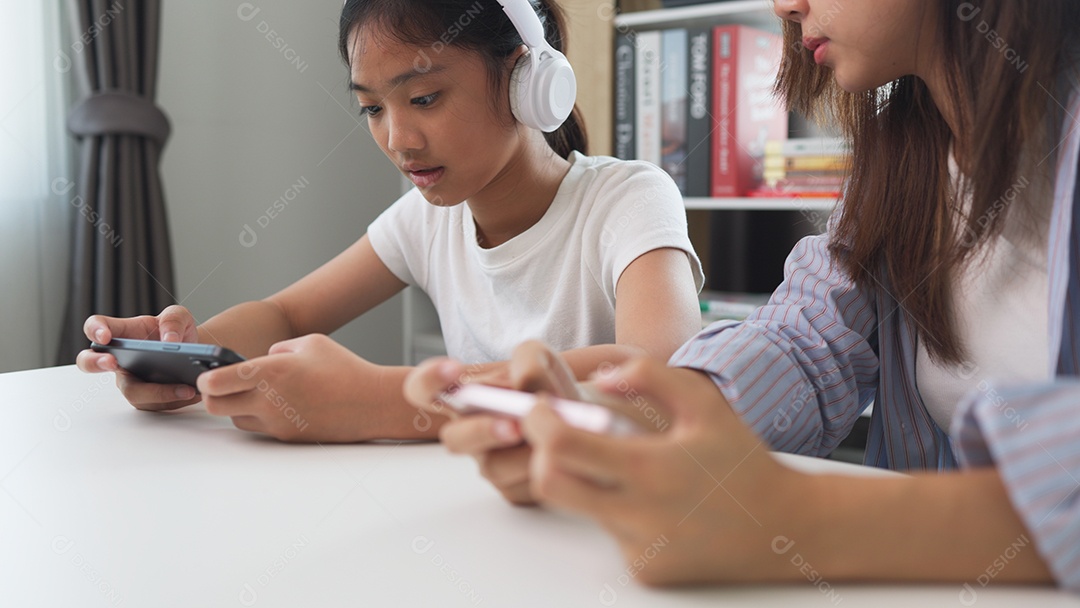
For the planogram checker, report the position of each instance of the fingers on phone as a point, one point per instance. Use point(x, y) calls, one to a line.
point(154, 397)
point(535, 367)
point(429, 380)
point(519, 494)
point(94, 362)
point(599, 458)
point(249, 423)
point(229, 380)
point(174, 323)
point(96, 328)
point(102, 329)
point(553, 486)
point(478, 434)
point(506, 468)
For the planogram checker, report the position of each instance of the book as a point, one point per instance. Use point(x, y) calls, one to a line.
point(804, 167)
point(780, 191)
point(772, 176)
point(625, 146)
point(673, 106)
point(807, 146)
point(841, 162)
point(745, 113)
point(647, 88)
point(698, 127)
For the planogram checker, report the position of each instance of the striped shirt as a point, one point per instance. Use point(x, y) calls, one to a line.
point(800, 369)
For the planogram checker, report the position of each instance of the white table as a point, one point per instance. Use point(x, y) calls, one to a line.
point(102, 505)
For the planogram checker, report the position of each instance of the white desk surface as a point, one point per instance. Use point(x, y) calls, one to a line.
point(102, 505)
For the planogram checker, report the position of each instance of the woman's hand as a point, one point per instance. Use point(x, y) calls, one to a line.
point(174, 324)
point(307, 389)
point(698, 502)
point(496, 443)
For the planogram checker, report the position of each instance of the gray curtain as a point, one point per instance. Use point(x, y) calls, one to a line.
point(121, 262)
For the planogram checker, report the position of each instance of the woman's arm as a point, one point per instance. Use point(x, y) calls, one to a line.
point(1027, 434)
point(798, 368)
point(958, 526)
point(723, 510)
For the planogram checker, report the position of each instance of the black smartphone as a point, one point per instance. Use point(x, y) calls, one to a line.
point(167, 362)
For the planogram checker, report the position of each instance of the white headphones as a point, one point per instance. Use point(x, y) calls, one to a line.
point(542, 86)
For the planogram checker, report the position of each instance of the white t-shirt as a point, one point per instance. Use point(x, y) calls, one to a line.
point(554, 282)
point(1000, 304)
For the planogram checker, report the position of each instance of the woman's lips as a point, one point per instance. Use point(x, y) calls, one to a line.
point(818, 47)
point(425, 178)
point(819, 53)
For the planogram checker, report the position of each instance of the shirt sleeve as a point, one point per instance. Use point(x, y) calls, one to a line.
point(1030, 435)
point(398, 234)
point(799, 369)
point(642, 210)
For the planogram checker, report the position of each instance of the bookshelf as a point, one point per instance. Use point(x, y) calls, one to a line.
point(742, 241)
point(757, 13)
point(748, 203)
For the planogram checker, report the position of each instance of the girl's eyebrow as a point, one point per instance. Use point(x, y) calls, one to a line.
point(401, 79)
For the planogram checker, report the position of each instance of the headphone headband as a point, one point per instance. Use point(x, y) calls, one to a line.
point(525, 21)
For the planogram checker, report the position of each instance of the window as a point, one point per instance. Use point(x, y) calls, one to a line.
point(34, 173)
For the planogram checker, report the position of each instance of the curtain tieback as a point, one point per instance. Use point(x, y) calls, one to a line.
point(112, 112)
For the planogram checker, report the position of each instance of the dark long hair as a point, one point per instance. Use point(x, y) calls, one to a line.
point(478, 25)
point(898, 217)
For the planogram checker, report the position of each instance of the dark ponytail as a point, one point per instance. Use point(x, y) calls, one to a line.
point(479, 25)
point(571, 135)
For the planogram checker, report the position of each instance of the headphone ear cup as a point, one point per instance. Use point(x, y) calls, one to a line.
point(542, 91)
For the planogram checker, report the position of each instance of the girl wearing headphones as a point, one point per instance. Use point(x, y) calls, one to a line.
point(511, 230)
point(947, 291)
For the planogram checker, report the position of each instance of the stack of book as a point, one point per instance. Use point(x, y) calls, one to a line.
point(805, 167)
point(699, 103)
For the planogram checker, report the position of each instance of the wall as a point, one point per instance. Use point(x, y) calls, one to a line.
point(592, 35)
point(266, 135)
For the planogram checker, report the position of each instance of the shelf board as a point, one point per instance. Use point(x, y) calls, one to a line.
point(761, 204)
point(758, 13)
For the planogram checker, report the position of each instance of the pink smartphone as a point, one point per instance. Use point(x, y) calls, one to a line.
point(479, 398)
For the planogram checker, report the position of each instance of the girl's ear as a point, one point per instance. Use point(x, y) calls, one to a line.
point(512, 59)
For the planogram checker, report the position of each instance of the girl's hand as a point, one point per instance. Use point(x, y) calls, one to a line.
point(174, 324)
point(307, 389)
point(496, 443)
point(699, 502)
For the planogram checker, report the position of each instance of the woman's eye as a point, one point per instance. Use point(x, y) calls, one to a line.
point(370, 110)
point(425, 100)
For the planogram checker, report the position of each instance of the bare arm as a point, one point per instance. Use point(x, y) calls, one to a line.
point(947, 527)
point(343, 288)
point(656, 311)
point(340, 290)
point(656, 307)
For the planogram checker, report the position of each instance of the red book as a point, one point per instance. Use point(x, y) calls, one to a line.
point(745, 113)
